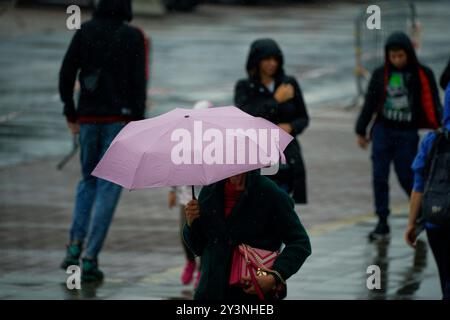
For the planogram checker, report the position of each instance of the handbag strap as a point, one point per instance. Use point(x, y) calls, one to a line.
point(261, 266)
point(252, 274)
point(256, 285)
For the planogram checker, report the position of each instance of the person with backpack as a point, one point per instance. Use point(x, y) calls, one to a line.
point(431, 193)
point(111, 59)
point(403, 96)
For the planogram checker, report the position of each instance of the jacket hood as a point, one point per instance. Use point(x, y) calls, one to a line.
point(400, 39)
point(114, 9)
point(446, 120)
point(261, 49)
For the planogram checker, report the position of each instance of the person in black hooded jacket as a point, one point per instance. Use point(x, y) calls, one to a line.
point(271, 94)
point(120, 51)
point(109, 58)
point(403, 97)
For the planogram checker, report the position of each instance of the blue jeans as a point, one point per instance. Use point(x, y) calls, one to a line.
point(92, 192)
point(391, 145)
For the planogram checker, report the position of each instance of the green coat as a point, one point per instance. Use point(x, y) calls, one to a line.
point(263, 217)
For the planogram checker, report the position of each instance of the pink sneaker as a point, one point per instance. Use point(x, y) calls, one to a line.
point(188, 272)
point(197, 279)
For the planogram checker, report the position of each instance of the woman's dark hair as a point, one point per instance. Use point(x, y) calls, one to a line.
point(254, 71)
point(261, 49)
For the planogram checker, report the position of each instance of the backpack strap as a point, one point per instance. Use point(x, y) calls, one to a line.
point(440, 134)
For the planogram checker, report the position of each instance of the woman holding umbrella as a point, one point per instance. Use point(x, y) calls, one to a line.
point(237, 207)
point(270, 94)
point(249, 209)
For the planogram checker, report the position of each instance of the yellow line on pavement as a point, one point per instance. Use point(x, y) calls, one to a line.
point(162, 277)
point(327, 227)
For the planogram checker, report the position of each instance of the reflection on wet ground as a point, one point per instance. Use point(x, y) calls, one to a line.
point(412, 275)
point(338, 267)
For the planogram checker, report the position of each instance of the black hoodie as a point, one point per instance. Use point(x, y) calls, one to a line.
point(445, 77)
point(422, 89)
point(121, 92)
point(254, 98)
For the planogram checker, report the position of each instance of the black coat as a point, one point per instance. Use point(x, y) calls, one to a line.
point(263, 217)
point(254, 98)
point(122, 87)
point(445, 77)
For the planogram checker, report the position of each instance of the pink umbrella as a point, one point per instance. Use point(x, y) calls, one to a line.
point(191, 147)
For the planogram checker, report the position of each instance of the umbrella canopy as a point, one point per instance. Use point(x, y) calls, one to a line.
point(191, 147)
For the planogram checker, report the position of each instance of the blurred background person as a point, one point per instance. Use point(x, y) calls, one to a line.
point(269, 93)
point(403, 97)
point(110, 57)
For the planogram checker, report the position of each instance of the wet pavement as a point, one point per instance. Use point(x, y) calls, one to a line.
point(142, 257)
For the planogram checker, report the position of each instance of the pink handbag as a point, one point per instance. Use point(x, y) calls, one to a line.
point(253, 262)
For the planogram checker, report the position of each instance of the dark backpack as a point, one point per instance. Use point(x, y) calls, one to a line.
point(436, 196)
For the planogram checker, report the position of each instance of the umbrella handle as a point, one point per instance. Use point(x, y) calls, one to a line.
point(193, 193)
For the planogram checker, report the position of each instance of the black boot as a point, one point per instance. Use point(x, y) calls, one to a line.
point(381, 231)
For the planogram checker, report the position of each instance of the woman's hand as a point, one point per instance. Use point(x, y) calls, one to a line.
point(414, 208)
point(363, 142)
point(286, 127)
point(74, 127)
point(171, 199)
point(192, 211)
point(266, 283)
point(410, 236)
point(284, 93)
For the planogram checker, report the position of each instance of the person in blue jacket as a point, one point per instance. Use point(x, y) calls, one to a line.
point(438, 236)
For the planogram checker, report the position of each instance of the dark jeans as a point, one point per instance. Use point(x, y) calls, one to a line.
point(439, 240)
point(92, 192)
point(391, 145)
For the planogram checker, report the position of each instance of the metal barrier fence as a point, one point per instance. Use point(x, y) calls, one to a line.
point(369, 44)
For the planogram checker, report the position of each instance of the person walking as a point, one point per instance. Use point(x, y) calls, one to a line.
point(269, 93)
point(179, 197)
point(403, 96)
point(438, 234)
point(110, 57)
point(251, 209)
